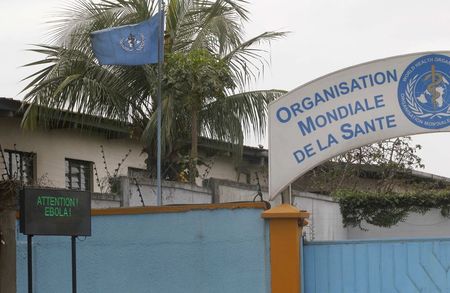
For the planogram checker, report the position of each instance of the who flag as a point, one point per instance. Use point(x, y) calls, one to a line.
point(134, 44)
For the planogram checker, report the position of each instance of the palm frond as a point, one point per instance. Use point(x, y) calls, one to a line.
point(69, 81)
point(175, 126)
point(249, 108)
point(74, 82)
point(219, 26)
point(73, 24)
point(246, 61)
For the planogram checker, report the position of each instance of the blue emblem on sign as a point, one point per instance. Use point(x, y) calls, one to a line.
point(423, 91)
point(133, 43)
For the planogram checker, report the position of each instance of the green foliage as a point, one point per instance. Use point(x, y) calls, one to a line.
point(385, 162)
point(207, 68)
point(388, 209)
point(198, 76)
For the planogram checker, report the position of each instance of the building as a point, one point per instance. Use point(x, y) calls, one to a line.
point(64, 156)
point(85, 154)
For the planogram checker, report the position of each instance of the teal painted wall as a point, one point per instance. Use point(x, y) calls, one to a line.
point(378, 266)
point(197, 251)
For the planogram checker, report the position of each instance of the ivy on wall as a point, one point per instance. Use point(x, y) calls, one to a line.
point(386, 210)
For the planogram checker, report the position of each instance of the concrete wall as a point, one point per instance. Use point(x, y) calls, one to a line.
point(172, 192)
point(430, 224)
point(223, 167)
point(219, 167)
point(325, 221)
point(214, 191)
point(105, 200)
point(230, 191)
point(52, 147)
point(204, 250)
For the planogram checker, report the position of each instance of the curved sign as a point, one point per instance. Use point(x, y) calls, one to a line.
point(363, 104)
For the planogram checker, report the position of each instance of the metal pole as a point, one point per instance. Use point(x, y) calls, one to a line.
point(290, 194)
point(30, 262)
point(74, 264)
point(159, 113)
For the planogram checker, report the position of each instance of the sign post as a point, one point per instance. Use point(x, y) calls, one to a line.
point(56, 212)
point(353, 107)
point(74, 264)
point(30, 262)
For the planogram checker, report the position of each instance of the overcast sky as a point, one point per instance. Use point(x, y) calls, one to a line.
point(325, 36)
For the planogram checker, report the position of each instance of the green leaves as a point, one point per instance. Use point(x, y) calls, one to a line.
point(388, 163)
point(386, 210)
point(196, 77)
point(207, 68)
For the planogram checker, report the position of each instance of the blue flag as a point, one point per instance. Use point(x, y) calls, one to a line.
point(135, 44)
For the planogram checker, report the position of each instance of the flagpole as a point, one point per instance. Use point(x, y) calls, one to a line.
point(159, 112)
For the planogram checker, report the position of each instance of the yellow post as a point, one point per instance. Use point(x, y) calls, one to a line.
point(286, 223)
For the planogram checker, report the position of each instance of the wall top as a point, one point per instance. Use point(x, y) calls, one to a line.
point(177, 208)
point(285, 211)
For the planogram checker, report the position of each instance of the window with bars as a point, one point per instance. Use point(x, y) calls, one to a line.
point(18, 166)
point(78, 175)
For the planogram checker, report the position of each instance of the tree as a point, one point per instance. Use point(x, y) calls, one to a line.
point(385, 161)
point(208, 66)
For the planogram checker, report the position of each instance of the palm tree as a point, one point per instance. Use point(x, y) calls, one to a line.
point(208, 66)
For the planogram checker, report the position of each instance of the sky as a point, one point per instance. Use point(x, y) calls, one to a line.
point(325, 36)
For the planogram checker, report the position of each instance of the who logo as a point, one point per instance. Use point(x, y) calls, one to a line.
point(423, 91)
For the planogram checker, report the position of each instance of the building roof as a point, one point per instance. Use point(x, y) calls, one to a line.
point(109, 127)
point(115, 129)
point(9, 107)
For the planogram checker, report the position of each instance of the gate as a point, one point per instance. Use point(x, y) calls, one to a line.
point(382, 266)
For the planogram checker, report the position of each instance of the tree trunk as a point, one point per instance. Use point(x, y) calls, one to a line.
point(194, 146)
point(8, 251)
point(8, 199)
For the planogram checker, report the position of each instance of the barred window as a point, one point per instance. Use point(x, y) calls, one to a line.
point(18, 166)
point(78, 175)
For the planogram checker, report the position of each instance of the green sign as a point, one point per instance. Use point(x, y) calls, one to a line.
point(57, 206)
point(55, 212)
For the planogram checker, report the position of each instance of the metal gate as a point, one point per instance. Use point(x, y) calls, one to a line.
point(382, 266)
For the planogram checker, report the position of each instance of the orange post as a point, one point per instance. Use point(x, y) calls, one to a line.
point(286, 223)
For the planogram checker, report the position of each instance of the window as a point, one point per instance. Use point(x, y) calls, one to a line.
point(18, 166)
point(78, 175)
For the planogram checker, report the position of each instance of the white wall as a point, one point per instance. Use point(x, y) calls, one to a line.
point(172, 193)
point(223, 167)
point(185, 193)
point(430, 224)
point(52, 147)
point(325, 222)
point(104, 204)
point(220, 167)
point(230, 193)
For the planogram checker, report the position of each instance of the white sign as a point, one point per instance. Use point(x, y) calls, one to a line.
point(353, 107)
